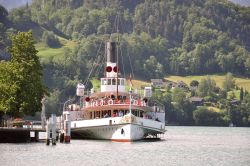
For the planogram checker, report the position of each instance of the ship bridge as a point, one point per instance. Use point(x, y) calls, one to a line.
point(111, 82)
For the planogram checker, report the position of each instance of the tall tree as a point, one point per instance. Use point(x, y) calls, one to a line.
point(206, 87)
point(8, 87)
point(3, 13)
point(24, 74)
point(241, 94)
point(229, 82)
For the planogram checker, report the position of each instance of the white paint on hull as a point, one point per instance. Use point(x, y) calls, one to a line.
point(126, 132)
point(126, 128)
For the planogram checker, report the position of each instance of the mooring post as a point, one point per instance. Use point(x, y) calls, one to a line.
point(67, 127)
point(36, 136)
point(48, 127)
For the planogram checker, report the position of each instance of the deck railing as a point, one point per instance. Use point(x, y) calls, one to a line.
point(102, 102)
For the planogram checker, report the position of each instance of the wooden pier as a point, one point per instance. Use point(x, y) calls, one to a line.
point(19, 135)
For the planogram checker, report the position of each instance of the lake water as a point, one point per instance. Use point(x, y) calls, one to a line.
point(180, 146)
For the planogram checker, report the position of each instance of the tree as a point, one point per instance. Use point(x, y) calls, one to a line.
point(50, 39)
point(179, 96)
point(21, 18)
point(165, 99)
point(24, 74)
point(241, 94)
point(153, 68)
point(8, 86)
point(182, 107)
point(52, 104)
point(194, 83)
point(229, 82)
point(206, 87)
point(207, 117)
point(3, 13)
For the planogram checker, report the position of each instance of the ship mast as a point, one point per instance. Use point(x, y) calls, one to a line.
point(130, 94)
point(117, 52)
point(130, 99)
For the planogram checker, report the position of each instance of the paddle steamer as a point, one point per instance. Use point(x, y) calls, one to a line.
point(115, 113)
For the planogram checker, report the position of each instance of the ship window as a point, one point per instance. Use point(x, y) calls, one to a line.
point(133, 112)
point(113, 81)
point(104, 82)
point(122, 81)
point(109, 81)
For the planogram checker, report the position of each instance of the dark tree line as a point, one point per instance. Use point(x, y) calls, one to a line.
point(190, 37)
point(157, 37)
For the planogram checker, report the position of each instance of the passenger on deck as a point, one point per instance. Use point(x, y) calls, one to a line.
point(114, 114)
point(120, 113)
point(106, 115)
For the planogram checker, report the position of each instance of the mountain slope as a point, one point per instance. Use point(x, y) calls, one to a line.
point(173, 37)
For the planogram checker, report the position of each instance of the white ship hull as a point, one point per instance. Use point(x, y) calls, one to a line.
point(124, 129)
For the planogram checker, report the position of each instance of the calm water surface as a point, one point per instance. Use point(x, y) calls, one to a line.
point(180, 146)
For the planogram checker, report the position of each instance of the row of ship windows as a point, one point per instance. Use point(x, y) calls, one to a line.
point(115, 128)
point(113, 81)
point(114, 113)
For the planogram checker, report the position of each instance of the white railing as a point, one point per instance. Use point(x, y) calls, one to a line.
point(95, 122)
point(103, 102)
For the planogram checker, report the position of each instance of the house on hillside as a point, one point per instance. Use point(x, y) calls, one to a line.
point(156, 82)
point(235, 102)
point(197, 101)
point(170, 84)
point(181, 84)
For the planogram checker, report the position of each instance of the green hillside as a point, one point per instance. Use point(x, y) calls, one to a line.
point(45, 52)
point(157, 39)
point(218, 78)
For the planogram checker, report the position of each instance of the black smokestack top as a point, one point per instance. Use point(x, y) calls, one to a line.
point(110, 50)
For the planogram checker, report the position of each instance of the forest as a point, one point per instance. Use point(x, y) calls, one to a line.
point(157, 38)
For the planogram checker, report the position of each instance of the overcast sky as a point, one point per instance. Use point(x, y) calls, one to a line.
point(9, 4)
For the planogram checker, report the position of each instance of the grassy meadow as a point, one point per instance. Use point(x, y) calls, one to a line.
point(219, 79)
point(139, 83)
point(45, 52)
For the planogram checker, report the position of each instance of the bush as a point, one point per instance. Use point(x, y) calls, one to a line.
point(208, 117)
point(51, 40)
